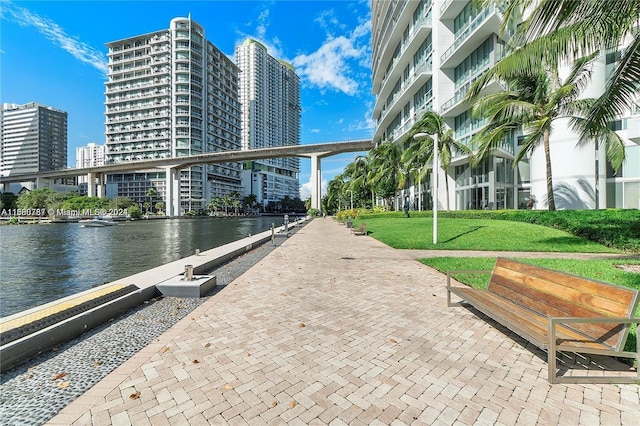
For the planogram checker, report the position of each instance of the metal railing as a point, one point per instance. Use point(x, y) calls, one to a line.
point(465, 32)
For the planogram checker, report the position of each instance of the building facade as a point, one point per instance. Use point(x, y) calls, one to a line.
point(92, 155)
point(270, 98)
point(426, 55)
point(34, 139)
point(172, 93)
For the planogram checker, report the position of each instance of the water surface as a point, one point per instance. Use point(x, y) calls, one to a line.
point(44, 262)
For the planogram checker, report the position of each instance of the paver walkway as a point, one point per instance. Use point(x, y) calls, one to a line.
point(332, 328)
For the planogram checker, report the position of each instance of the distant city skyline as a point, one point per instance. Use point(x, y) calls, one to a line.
point(51, 57)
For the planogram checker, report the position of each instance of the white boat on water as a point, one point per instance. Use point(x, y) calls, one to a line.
point(98, 222)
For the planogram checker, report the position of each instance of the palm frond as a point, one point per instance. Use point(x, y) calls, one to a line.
point(621, 89)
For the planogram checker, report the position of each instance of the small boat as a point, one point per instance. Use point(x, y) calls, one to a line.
point(97, 222)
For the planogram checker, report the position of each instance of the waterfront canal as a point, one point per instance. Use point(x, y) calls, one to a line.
point(43, 262)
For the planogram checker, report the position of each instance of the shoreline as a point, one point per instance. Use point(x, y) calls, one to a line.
point(31, 394)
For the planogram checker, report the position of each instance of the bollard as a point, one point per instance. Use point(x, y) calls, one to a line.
point(273, 234)
point(197, 252)
point(188, 272)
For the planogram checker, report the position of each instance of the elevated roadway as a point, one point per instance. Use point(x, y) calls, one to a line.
point(173, 165)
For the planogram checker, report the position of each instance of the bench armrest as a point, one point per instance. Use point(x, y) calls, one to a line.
point(553, 346)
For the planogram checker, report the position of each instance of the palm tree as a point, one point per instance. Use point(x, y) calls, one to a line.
point(250, 201)
point(235, 196)
point(418, 153)
point(533, 101)
point(334, 191)
point(357, 173)
point(226, 202)
point(559, 29)
point(386, 173)
point(214, 204)
point(151, 193)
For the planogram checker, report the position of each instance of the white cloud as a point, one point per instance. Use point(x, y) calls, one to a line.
point(327, 67)
point(330, 67)
point(306, 188)
point(263, 23)
point(52, 31)
point(259, 33)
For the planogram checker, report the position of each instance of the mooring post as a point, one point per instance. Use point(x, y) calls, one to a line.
point(188, 272)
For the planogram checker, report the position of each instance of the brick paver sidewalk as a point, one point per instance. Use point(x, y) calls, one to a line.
point(333, 328)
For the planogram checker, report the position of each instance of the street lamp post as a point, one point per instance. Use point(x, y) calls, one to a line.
point(435, 180)
point(419, 170)
point(420, 189)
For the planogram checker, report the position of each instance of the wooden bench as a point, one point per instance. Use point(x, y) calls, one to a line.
point(360, 230)
point(557, 312)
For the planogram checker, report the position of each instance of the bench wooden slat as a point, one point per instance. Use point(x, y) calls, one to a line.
point(554, 293)
point(522, 321)
point(607, 299)
point(552, 306)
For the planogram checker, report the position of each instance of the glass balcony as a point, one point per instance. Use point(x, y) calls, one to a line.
point(464, 33)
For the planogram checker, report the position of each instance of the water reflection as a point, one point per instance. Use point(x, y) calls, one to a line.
point(41, 263)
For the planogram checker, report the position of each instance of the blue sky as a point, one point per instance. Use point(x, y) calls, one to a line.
point(53, 53)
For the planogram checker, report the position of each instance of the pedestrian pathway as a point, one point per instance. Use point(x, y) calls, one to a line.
point(332, 328)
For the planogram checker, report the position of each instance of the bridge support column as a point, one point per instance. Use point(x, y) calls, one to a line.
point(316, 182)
point(101, 192)
point(172, 201)
point(91, 184)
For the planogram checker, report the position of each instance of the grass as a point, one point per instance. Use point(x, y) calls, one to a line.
point(601, 270)
point(476, 234)
point(612, 227)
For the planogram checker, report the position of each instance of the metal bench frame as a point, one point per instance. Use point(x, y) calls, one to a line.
point(551, 344)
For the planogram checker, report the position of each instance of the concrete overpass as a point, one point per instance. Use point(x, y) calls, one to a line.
point(173, 165)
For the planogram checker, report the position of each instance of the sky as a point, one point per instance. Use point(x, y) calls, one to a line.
point(53, 53)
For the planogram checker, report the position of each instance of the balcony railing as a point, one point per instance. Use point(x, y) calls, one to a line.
point(444, 6)
point(462, 91)
point(427, 19)
point(464, 33)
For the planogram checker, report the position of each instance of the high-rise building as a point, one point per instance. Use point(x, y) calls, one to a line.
point(172, 93)
point(270, 98)
point(34, 139)
point(91, 155)
point(426, 55)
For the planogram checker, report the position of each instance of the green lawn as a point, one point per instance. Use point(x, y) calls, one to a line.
point(601, 270)
point(476, 234)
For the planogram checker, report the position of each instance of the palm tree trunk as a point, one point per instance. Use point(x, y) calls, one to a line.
point(446, 188)
point(547, 157)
